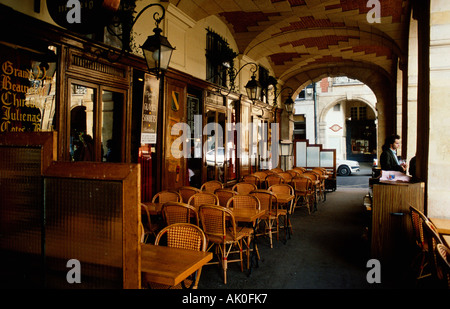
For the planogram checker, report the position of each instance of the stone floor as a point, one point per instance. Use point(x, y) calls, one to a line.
point(329, 249)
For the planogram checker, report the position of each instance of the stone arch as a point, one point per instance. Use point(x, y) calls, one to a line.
point(324, 111)
point(381, 84)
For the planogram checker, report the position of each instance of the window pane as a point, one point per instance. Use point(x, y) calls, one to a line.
point(220, 159)
point(112, 124)
point(28, 86)
point(232, 145)
point(82, 135)
point(243, 148)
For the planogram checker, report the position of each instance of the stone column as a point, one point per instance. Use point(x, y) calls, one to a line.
point(439, 113)
point(411, 138)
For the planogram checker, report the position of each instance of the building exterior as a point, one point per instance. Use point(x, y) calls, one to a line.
point(400, 58)
point(346, 117)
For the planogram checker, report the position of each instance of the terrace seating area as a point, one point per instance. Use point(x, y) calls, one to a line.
point(299, 230)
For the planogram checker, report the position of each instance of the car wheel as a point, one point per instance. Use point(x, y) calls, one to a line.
point(344, 171)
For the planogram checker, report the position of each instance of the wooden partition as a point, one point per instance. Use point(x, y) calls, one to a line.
point(392, 234)
point(52, 212)
point(23, 159)
point(313, 155)
point(310, 156)
point(92, 215)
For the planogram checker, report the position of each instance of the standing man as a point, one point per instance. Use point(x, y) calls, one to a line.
point(388, 158)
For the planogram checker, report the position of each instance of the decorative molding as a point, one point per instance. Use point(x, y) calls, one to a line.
point(82, 62)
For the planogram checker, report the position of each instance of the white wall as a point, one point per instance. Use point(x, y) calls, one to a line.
point(439, 140)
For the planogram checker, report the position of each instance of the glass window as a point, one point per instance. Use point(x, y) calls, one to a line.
point(96, 123)
point(112, 124)
point(82, 130)
point(244, 131)
point(28, 88)
point(219, 57)
point(215, 145)
point(232, 144)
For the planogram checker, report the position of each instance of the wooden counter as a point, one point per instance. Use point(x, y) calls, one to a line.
point(392, 234)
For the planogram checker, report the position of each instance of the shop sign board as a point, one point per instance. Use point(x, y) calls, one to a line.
point(150, 110)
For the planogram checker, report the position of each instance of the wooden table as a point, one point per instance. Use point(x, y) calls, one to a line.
point(442, 225)
point(247, 215)
point(283, 198)
point(446, 239)
point(170, 266)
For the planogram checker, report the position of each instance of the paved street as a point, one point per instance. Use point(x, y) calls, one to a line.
point(356, 180)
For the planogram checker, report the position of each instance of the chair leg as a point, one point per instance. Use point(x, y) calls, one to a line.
point(422, 266)
point(278, 227)
point(240, 255)
point(224, 264)
point(270, 232)
point(248, 252)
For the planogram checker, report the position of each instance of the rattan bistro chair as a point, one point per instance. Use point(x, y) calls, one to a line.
point(167, 196)
point(174, 212)
point(224, 195)
point(286, 176)
point(149, 228)
point(246, 201)
point(432, 238)
point(304, 192)
point(294, 173)
point(271, 220)
point(417, 220)
point(274, 179)
point(184, 236)
point(242, 201)
point(219, 226)
point(319, 187)
point(203, 197)
point(211, 186)
point(284, 188)
point(244, 187)
point(187, 191)
point(444, 263)
point(262, 178)
point(252, 179)
point(300, 169)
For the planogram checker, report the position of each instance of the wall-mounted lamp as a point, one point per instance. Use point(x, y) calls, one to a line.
point(253, 86)
point(157, 50)
point(289, 103)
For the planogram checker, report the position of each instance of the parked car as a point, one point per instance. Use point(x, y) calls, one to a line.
point(211, 156)
point(346, 167)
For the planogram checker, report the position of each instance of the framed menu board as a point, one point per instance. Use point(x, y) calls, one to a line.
point(150, 110)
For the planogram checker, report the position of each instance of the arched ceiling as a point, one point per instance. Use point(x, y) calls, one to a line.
point(301, 36)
